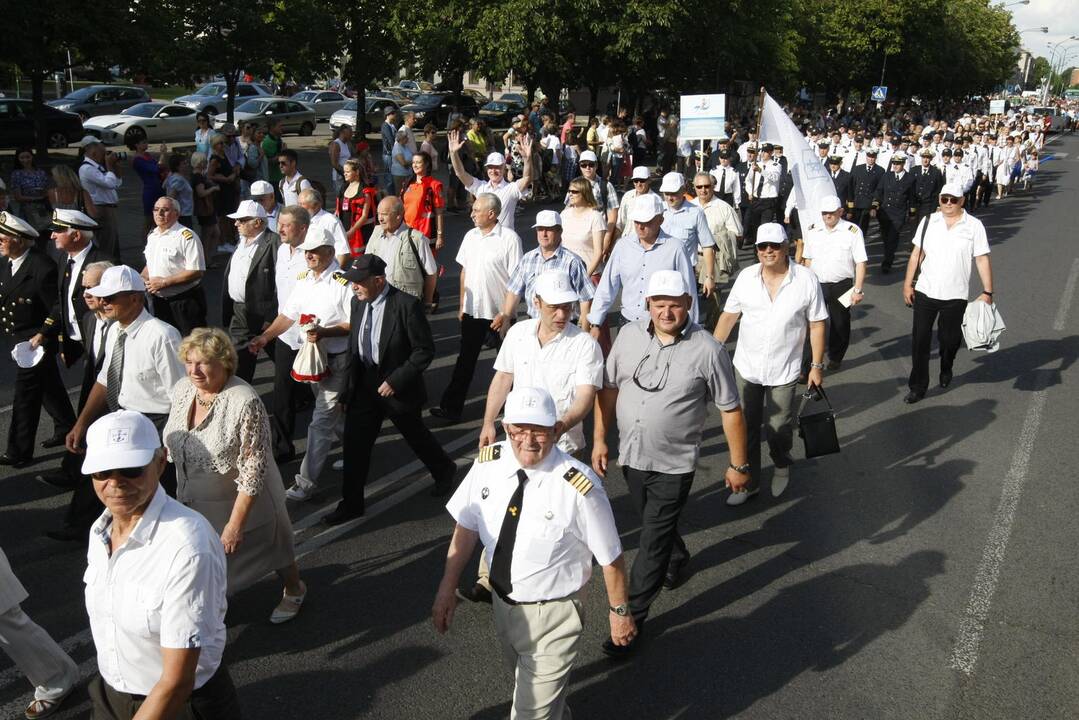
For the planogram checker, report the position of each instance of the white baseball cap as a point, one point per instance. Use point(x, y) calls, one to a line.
point(495, 159)
point(588, 156)
point(316, 238)
point(770, 233)
point(647, 207)
point(830, 203)
point(118, 279)
point(668, 283)
point(641, 173)
point(555, 288)
point(248, 209)
point(673, 182)
point(530, 406)
point(86, 141)
point(953, 189)
point(548, 218)
point(260, 188)
point(122, 439)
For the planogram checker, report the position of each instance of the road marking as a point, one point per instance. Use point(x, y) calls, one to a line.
point(1066, 298)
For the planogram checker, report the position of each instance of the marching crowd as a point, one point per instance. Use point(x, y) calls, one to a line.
point(616, 321)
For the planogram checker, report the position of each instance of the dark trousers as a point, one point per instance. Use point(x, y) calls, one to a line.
point(948, 315)
point(890, 227)
point(185, 311)
point(107, 235)
point(363, 422)
point(241, 335)
point(215, 700)
point(838, 335)
point(37, 387)
point(473, 334)
point(761, 210)
point(659, 498)
point(286, 394)
point(861, 219)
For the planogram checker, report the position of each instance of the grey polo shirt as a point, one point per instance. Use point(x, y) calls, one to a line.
point(663, 394)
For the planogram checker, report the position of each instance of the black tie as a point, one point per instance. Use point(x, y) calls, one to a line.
point(65, 296)
point(723, 183)
point(507, 536)
point(365, 340)
point(114, 378)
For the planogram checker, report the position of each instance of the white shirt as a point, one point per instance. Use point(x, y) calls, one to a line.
point(291, 189)
point(772, 333)
point(727, 183)
point(271, 219)
point(552, 143)
point(570, 359)
point(626, 207)
point(945, 272)
point(559, 531)
point(290, 266)
point(376, 309)
point(240, 268)
point(323, 220)
point(17, 263)
point(325, 297)
point(764, 183)
point(834, 252)
point(163, 588)
point(508, 193)
point(102, 184)
point(72, 288)
point(151, 364)
point(488, 260)
point(723, 222)
point(99, 335)
point(176, 250)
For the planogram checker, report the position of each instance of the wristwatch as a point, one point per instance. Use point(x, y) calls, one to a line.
point(621, 610)
point(858, 291)
point(743, 469)
point(818, 366)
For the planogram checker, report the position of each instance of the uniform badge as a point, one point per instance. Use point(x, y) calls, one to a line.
point(491, 452)
point(340, 278)
point(512, 510)
point(548, 515)
point(578, 480)
point(484, 493)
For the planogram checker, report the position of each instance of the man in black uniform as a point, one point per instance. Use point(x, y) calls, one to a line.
point(841, 179)
point(27, 293)
point(895, 200)
point(928, 181)
point(863, 203)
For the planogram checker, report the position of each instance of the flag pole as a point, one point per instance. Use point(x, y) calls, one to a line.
point(760, 115)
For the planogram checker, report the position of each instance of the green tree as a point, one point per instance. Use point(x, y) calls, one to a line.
point(1038, 72)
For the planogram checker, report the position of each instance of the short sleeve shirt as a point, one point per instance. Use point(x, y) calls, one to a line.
point(945, 273)
point(176, 250)
point(488, 260)
point(324, 297)
point(835, 253)
point(151, 364)
point(508, 193)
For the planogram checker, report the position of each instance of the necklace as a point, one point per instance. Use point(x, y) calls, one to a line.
point(204, 403)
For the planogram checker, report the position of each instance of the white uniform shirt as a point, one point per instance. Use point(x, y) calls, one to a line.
point(488, 261)
point(289, 268)
point(176, 250)
point(764, 183)
point(72, 288)
point(151, 364)
point(325, 297)
point(834, 252)
point(570, 359)
point(102, 184)
point(163, 588)
point(945, 272)
point(727, 183)
point(559, 531)
point(323, 220)
point(772, 333)
point(508, 194)
point(240, 267)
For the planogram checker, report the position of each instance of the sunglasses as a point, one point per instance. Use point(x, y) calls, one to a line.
point(574, 192)
point(703, 187)
point(282, 163)
point(639, 181)
point(765, 246)
point(131, 473)
point(588, 164)
point(111, 299)
point(949, 200)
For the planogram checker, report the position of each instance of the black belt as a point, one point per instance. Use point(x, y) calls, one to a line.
point(511, 601)
point(108, 205)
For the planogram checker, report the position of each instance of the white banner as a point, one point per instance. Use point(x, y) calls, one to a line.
point(996, 107)
point(702, 117)
point(811, 179)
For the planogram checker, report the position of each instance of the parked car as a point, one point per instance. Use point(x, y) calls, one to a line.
point(153, 121)
point(324, 102)
point(17, 124)
point(213, 97)
point(436, 107)
point(296, 117)
point(500, 113)
point(100, 100)
point(514, 97)
point(376, 111)
point(396, 94)
point(480, 97)
point(418, 86)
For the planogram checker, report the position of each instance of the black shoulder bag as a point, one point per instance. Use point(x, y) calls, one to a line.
point(817, 429)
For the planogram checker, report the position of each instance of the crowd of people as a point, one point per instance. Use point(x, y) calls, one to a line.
point(614, 322)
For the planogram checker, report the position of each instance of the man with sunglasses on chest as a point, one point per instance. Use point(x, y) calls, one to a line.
point(777, 301)
point(660, 376)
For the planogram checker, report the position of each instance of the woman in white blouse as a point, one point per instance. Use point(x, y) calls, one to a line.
point(218, 437)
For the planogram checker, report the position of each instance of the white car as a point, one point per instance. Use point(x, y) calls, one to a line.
point(323, 102)
point(153, 121)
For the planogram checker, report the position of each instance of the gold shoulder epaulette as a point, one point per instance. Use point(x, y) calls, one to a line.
point(852, 227)
point(50, 321)
point(186, 234)
point(302, 275)
point(490, 452)
point(578, 480)
point(341, 279)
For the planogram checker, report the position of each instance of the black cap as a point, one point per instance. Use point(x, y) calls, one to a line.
point(824, 144)
point(364, 267)
point(835, 160)
point(946, 151)
point(871, 151)
point(777, 146)
point(767, 147)
point(724, 154)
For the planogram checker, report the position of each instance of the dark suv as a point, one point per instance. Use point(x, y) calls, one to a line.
point(100, 100)
point(435, 107)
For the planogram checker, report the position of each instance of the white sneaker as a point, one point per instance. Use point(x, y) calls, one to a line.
point(741, 498)
point(301, 490)
point(780, 480)
point(339, 465)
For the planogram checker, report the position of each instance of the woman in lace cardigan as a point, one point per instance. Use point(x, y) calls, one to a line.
point(218, 437)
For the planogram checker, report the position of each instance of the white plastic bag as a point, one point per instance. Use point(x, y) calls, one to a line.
point(310, 365)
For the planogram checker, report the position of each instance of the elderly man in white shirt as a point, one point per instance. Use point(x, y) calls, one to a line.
point(175, 264)
point(311, 201)
point(99, 175)
point(778, 301)
point(641, 188)
point(488, 255)
point(508, 193)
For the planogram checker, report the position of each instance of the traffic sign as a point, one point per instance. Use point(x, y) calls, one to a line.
point(879, 93)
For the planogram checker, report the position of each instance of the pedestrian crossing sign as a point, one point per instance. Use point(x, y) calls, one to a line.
point(879, 93)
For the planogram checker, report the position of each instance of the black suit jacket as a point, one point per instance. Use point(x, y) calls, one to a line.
point(261, 286)
point(405, 349)
point(896, 197)
point(843, 189)
point(56, 322)
point(92, 363)
point(927, 184)
point(864, 181)
point(27, 297)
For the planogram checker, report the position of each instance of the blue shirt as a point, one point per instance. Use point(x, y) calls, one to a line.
point(532, 263)
point(372, 315)
point(628, 270)
point(689, 226)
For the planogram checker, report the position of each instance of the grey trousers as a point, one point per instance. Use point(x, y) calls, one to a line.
point(45, 664)
point(768, 409)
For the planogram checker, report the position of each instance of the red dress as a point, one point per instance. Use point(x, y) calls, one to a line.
point(350, 209)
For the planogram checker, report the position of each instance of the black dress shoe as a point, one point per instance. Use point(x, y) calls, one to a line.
point(945, 379)
point(6, 459)
point(56, 440)
point(913, 397)
point(58, 480)
point(341, 514)
point(477, 594)
point(676, 575)
point(68, 534)
point(444, 415)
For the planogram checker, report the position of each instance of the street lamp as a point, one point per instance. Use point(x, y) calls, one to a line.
point(1012, 4)
point(1042, 29)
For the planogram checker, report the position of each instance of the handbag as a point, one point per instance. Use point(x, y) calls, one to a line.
point(311, 364)
point(817, 429)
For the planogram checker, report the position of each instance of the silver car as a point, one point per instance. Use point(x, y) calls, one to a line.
point(324, 102)
point(376, 111)
point(295, 117)
point(212, 98)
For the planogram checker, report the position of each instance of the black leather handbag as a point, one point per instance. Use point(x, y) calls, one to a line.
point(817, 429)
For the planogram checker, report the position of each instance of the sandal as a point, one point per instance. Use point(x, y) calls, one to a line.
point(44, 708)
point(288, 608)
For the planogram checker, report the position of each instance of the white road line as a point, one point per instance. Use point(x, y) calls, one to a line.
point(965, 655)
point(1066, 298)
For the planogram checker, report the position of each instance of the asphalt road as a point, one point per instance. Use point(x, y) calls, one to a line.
point(928, 571)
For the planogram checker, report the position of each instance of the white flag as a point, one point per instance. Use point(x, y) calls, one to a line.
point(811, 180)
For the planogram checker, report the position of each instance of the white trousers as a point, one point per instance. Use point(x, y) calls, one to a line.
point(38, 657)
